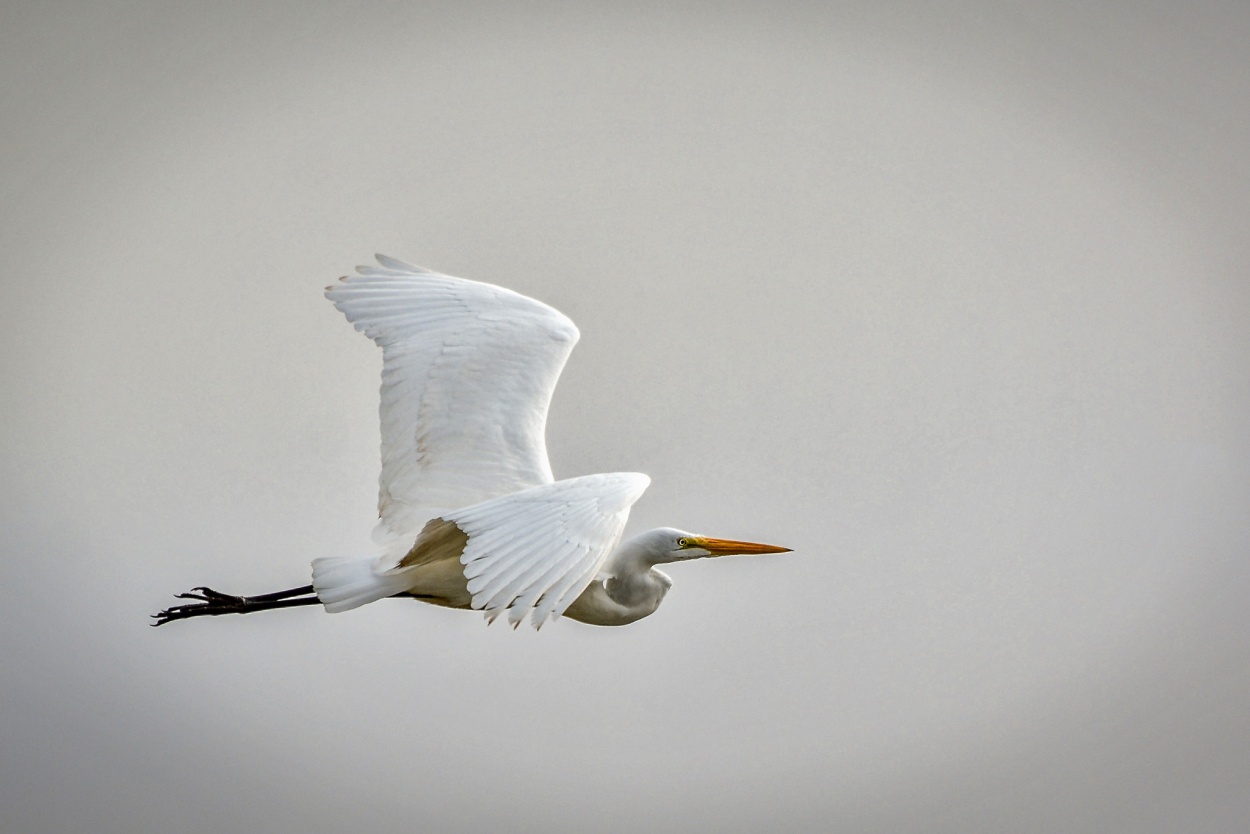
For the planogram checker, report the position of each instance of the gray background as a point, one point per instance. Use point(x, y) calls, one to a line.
point(950, 298)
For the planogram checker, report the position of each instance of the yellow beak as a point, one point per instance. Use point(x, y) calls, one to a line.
point(729, 547)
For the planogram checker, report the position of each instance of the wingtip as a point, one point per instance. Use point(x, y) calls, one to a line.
point(395, 263)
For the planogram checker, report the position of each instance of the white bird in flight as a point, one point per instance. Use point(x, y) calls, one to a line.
point(471, 516)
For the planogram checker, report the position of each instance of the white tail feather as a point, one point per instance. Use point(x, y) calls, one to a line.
point(346, 583)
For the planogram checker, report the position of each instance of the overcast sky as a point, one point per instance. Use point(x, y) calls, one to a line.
point(953, 299)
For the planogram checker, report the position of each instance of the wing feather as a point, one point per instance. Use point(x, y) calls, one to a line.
point(467, 378)
point(537, 550)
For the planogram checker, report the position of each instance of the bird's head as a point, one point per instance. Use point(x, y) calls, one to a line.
point(666, 544)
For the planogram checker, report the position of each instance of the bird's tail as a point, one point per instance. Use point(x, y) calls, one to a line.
point(344, 583)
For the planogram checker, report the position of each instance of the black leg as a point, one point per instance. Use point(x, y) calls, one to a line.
point(212, 603)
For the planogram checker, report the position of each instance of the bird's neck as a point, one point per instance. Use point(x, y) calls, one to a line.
point(634, 581)
point(633, 589)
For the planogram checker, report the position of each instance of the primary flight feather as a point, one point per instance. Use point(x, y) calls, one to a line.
point(470, 515)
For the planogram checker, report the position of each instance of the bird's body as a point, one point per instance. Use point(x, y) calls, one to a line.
point(471, 516)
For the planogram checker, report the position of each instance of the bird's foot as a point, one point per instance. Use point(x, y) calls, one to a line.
point(210, 603)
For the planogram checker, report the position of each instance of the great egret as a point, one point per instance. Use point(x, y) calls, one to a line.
point(470, 514)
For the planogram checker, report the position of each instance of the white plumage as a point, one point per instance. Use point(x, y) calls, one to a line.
point(471, 516)
point(468, 370)
point(539, 549)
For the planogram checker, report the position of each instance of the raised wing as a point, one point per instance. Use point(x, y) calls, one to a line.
point(467, 377)
point(537, 550)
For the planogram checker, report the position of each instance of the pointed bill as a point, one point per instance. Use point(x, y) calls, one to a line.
point(729, 547)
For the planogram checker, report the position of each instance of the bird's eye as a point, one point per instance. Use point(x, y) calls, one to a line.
point(683, 542)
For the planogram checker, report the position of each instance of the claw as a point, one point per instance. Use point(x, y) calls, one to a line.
point(209, 595)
